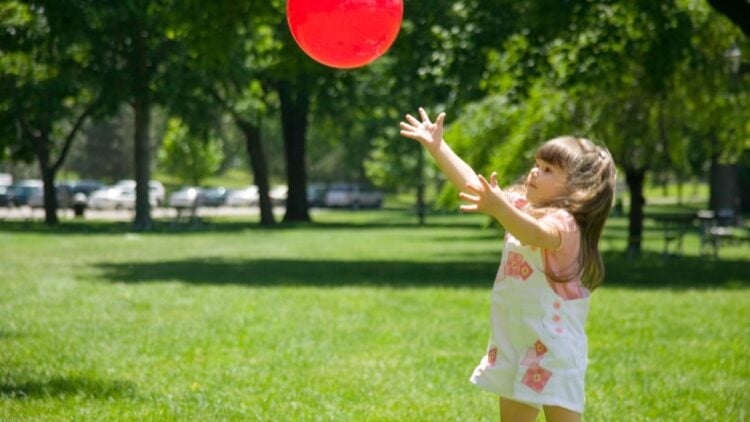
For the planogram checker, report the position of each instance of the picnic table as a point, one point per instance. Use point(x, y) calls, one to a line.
point(719, 228)
point(715, 228)
point(674, 227)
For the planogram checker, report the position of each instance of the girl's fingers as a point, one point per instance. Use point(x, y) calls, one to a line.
point(425, 118)
point(493, 179)
point(411, 135)
point(412, 120)
point(440, 119)
point(408, 134)
point(407, 126)
point(484, 182)
point(477, 190)
point(466, 197)
point(469, 208)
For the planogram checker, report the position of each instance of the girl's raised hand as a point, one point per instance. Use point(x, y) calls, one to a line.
point(426, 132)
point(485, 198)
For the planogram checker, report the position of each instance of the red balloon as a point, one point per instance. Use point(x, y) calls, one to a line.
point(344, 33)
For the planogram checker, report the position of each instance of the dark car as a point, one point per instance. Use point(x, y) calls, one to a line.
point(67, 191)
point(213, 197)
point(20, 193)
point(86, 187)
point(4, 196)
point(316, 195)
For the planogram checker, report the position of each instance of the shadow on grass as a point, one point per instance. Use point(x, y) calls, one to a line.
point(211, 226)
point(289, 272)
point(349, 221)
point(648, 271)
point(653, 270)
point(64, 386)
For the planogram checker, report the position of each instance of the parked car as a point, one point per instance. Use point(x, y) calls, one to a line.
point(186, 197)
point(213, 197)
point(80, 189)
point(20, 192)
point(115, 197)
point(243, 197)
point(86, 187)
point(353, 195)
point(4, 196)
point(6, 181)
point(156, 193)
point(316, 194)
point(278, 195)
point(36, 198)
point(62, 192)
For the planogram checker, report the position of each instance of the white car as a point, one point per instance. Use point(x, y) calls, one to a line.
point(352, 195)
point(186, 197)
point(278, 195)
point(243, 197)
point(156, 192)
point(115, 198)
point(112, 198)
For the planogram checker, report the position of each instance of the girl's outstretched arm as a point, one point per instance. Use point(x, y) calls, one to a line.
point(487, 198)
point(430, 135)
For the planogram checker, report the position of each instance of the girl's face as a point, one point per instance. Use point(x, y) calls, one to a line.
point(545, 182)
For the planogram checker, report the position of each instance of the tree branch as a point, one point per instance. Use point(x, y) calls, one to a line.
point(228, 107)
point(72, 134)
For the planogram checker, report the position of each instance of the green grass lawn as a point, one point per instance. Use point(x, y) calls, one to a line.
point(361, 316)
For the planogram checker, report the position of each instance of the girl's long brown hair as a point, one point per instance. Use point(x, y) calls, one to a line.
point(591, 188)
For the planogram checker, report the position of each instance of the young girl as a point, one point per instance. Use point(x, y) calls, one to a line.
point(537, 351)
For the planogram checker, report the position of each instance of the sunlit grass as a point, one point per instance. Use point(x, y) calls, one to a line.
point(360, 316)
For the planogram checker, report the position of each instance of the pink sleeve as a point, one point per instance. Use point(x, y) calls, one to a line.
point(567, 227)
point(518, 200)
point(563, 261)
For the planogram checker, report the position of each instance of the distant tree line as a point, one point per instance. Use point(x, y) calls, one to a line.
point(651, 80)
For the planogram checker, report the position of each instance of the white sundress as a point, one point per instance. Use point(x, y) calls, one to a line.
point(537, 352)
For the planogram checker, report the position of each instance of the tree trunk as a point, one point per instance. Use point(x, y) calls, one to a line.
point(420, 187)
point(634, 178)
point(48, 178)
point(723, 190)
point(142, 109)
point(260, 171)
point(142, 101)
point(42, 146)
point(295, 103)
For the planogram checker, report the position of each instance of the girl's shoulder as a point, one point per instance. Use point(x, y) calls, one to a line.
point(562, 219)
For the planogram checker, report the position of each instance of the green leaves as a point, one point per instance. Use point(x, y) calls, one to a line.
point(190, 156)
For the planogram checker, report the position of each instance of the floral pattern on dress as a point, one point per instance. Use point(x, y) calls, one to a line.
point(517, 267)
point(534, 354)
point(536, 377)
point(492, 356)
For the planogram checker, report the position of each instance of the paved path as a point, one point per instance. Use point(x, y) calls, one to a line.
point(27, 213)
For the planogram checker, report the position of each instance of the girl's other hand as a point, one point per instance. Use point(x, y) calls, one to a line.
point(426, 132)
point(486, 198)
